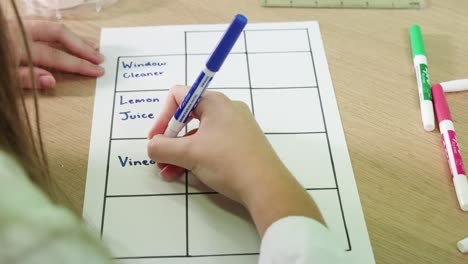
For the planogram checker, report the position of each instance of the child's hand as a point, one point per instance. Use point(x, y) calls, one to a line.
point(225, 152)
point(230, 154)
point(53, 46)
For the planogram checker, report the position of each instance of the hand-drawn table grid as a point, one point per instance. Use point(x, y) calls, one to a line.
point(286, 102)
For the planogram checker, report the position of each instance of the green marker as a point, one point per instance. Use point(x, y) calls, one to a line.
point(422, 77)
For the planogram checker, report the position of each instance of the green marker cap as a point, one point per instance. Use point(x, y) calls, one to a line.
point(417, 44)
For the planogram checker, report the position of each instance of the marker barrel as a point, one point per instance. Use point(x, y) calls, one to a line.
point(463, 245)
point(424, 90)
point(452, 150)
point(217, 58)
point(455, 85)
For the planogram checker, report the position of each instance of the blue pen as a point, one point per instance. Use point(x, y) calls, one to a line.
point(198, 88)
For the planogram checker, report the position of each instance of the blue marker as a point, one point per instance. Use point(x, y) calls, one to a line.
point(195, 93)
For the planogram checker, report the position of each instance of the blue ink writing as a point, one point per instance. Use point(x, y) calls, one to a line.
point(128, 161)
point(132, 64)
point(138, 100)
point(145, 64)
point(127, 115)
point(140, 75)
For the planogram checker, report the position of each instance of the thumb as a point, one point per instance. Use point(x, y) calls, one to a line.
point(43, 79)
point(172, 151)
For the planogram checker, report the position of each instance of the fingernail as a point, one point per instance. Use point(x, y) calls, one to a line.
point(99, 57)
point(99, 70)
point(161, 173)
point(161, 165)
point(46, 81)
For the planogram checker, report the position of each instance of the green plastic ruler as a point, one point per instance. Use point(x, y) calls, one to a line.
point(403, 4)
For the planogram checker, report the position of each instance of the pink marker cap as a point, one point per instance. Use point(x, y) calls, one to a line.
point(440, 103)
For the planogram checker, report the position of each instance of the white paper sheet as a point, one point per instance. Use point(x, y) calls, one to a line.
point(280, 71)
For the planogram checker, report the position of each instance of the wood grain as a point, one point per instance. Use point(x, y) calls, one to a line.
point(402, 175)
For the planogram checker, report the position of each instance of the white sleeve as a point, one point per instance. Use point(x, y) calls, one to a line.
point(299, 240)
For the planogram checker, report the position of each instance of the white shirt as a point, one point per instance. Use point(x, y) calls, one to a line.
point(33, 231)
point(299, 240)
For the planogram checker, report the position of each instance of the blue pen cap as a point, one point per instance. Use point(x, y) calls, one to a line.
point(227, 42)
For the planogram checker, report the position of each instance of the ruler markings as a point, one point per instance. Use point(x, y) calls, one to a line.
point(397, 4)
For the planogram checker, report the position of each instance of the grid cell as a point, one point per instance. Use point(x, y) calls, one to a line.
point(233, 73)
point(291, 40)
point(136, 112)
point(307, 157)
point(142, 226)
point(218, 225)
point(199, 42)
point(150, 72)
point(132, 172)
point(242, 95)
point(283, 70)
point(288, 110)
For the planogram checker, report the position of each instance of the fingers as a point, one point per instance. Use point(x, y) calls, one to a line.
point(43, 78)
point(210, 104)
point(242, 106)
point(171, 172)
point(161, 165)
point(172, 151)
point(175, 97)
point(45, 56)
point(92, 44)
point(48, 31)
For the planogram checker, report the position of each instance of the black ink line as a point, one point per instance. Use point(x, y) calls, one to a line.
point(227, 88)
point(208, 54)
point(295, 133)
point(247, 30)
point(148, 90)
point(285, 88)
point(198, 193)
point(329, 146)
point(192, 256)
point(144, 195)
point(321, 189)
point(248, 74)
point(186, 173)
point(130, 138)
point(278, 29)
point(108, 154)
point(253, 52)
point(151, 55)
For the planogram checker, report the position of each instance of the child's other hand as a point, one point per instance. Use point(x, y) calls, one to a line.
point(53, 46)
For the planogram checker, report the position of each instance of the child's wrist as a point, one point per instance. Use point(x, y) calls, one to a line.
point(275, 194)
point(262, 182)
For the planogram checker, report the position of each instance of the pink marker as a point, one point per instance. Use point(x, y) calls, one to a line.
point(449, 138)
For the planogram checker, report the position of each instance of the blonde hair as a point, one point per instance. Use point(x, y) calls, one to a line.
point(19, 137)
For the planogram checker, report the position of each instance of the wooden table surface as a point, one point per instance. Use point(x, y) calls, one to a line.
point(407, 196)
